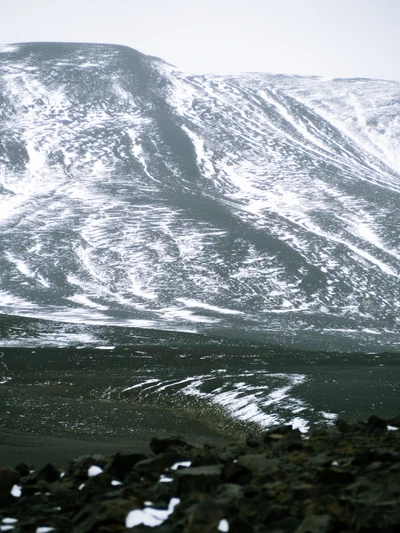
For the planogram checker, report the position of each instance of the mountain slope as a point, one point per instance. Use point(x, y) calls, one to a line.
point(136, 194)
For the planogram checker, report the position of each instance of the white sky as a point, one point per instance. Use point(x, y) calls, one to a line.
point(335, 38)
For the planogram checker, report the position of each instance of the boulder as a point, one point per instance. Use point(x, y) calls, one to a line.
point(121, 464)
point(198, 479)
point(160, 445)
point(316, 524)
point(8, 478)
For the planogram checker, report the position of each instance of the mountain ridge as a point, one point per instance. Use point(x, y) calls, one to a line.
point(136, 194)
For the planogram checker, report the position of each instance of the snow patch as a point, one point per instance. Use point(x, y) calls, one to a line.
point(150, 516)
point(94, 470)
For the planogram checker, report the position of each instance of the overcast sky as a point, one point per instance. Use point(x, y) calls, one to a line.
point(334, 38)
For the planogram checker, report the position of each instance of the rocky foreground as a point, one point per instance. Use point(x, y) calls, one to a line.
point(338, 479)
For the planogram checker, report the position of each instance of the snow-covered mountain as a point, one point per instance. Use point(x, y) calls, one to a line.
point(135, 194)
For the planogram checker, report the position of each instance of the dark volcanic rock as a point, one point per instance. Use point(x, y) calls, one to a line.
point(121, 464)
point(334, 476)
point(22, 469)
point(344, 479)
point(395, 421)
point(79, 466)
point(160, 463)
point(48, 473)
point(198, 479)
point(160, 445)
point(316, 524)
point(375, 422)
point(8, 478)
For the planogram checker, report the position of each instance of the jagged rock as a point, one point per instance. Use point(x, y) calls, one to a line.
point(233, 472)
point(8, 478)
point(394, 421)
point(335, 476)
point(316, 524)
point(34, 486)
point(107, 516)
point(345, 426)
point(230, 493)
point(206, 459)
point(48, 473)
point(365, 457)
point(259, 465)
point(287, 523)
point(253, 442)
point(276, 431)
point(22, 469)
point(239, 525)
point(98, 484)
point(304, 490)
point(160, 445)
point(374, 422)
point(335, 481)
point(370, 519)
point(321, 459)
point(207, 511)
point(79, 466)
point(386, 456)
point(275, 512)
point(198, 479)
point(121, 464)
point(160, 463)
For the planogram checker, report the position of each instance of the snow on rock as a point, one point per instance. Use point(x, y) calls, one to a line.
point(254, 203)
point(149, 516)
point(94, 470)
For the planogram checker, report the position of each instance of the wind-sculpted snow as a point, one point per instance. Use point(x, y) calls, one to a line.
point(256, 205)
